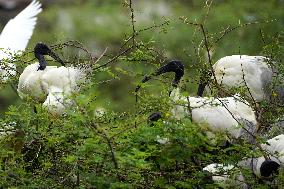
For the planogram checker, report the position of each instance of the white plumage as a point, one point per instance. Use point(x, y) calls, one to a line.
point(60, 83)
point(275, 147)
point(30, 83)
point(53, 86)
point(255, 164)
point(231, 114)
point(57, 101)
point(16, 35)
point(221, 114)
point(245, 71)
point(261, 167)
point(231, 176)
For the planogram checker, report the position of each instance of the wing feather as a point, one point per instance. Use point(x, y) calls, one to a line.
point(17, 32)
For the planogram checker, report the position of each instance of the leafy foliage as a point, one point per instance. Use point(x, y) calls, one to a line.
point(93, 146)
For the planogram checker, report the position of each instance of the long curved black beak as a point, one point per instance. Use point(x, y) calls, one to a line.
point(175, 66)
point(56, 57)
point(42, 49)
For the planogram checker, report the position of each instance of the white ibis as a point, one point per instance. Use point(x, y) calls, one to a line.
point(230, 114)
point(15, 37)
point(275, 147)
point(220, 114)
point(251, 72)
point(50, 85)
point(263, 168)
point(231, 175)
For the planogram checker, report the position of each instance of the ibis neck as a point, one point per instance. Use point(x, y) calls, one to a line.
point(42, 62)
point(201, 89)
point(174, 66)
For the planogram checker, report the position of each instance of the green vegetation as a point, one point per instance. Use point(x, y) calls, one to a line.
point(118, 147)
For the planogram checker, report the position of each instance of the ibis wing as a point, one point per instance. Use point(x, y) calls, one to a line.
point(17, 32)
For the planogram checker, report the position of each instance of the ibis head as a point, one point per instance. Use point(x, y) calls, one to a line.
point(42, 49)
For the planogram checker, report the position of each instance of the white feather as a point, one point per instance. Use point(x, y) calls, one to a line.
point(56, 101)
point(275, 147)
point(222, 114)
point(53, 86)
point(243, 70)
point(224, 174)
point(15, 37)
point(65, 78)
point(18, 31)
point(30, 83)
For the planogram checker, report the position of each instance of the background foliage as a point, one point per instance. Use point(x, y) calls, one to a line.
point(102, 24)
point(118, 147)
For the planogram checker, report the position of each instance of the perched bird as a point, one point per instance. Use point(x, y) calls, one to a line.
point(230, 175)
point(275, 147)
point(230, 114)
point(50, 85)
point(15, 37)
point(263, 168)
point(251, 72)
point(30, 81)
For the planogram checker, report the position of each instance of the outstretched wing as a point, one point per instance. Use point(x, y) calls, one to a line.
point(17, 32)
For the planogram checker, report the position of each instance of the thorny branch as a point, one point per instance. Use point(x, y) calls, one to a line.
point(206, 44)
point(166, 22)
point(230, 29)
point(74, 44)
point(115, 58)
point(132, 22)
point(109, 142)
point(131, 38)
point(208, 5)
point(257, 111)
point(99, 58)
